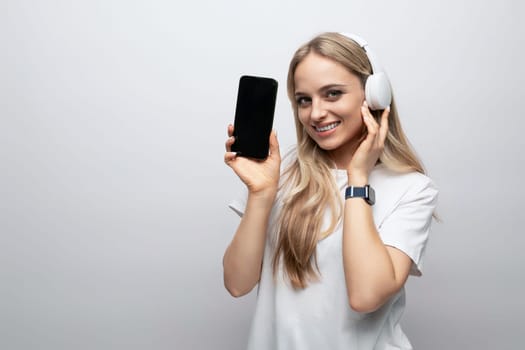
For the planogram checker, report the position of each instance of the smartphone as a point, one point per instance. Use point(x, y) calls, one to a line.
point(254, 113)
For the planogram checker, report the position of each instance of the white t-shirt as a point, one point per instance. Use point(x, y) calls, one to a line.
point(319, 316)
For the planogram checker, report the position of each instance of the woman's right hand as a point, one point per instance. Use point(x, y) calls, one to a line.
point(260, 176)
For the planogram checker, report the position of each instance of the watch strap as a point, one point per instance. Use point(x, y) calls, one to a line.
point(366, 192)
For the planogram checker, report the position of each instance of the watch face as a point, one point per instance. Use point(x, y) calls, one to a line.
point(371, 195)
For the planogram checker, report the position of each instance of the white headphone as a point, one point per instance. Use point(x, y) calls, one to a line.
point(377, 87)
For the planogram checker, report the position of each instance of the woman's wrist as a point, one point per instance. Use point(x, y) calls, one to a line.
point(264, 195)
point(357, 179)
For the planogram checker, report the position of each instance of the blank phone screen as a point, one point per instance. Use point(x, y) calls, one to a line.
point(254, 116)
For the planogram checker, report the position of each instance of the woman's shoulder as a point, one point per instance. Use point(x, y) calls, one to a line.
point(381, 174)
point(411, 190)
point(400, 184)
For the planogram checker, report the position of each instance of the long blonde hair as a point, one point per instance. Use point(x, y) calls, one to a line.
point(308, 179)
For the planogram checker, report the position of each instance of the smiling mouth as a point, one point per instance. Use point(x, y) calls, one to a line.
point(327, 127)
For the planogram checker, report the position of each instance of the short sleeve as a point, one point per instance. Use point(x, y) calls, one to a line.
point(407, 228)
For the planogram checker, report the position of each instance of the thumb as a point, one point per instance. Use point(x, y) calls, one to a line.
point(274, 144)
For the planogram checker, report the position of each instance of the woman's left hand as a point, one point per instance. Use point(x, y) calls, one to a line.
point(368, 152)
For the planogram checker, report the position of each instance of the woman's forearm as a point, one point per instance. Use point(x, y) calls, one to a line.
point(370, 273)
point(243, 258)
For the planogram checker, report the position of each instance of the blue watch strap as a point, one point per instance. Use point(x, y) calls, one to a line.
point(366, 192)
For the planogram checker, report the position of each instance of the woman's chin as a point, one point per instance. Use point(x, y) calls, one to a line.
point(328, 145)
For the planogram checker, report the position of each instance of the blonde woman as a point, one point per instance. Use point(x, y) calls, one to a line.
point(331, 233)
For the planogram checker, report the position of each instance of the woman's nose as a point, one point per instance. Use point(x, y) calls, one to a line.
point(318, 110)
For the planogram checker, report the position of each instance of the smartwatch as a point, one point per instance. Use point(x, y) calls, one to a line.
point(367, 193)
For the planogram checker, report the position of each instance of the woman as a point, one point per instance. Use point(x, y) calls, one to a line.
point(330, 260)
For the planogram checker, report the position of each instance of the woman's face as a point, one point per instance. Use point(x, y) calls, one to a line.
point(329, 100)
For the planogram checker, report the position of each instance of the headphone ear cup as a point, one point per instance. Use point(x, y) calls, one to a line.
point(377, 91)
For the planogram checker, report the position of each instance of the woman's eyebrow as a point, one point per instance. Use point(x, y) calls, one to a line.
point(322, 88)
point(332, 86)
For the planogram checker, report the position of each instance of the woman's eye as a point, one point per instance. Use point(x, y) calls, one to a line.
point(333, 93)
point(302, 101)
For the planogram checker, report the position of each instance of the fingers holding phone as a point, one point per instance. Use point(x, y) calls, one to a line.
point(229, 155)
point(258, 175)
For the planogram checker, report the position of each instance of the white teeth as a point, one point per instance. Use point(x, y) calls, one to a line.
point(327, 127)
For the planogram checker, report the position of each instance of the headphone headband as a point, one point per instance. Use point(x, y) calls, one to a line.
point(369, 52)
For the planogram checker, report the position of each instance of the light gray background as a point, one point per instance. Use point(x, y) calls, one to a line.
point(113, 192)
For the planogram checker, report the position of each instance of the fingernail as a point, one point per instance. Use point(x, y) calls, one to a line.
point(365, 104)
